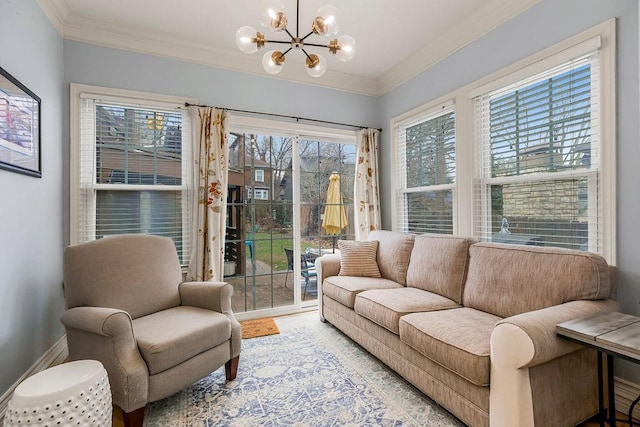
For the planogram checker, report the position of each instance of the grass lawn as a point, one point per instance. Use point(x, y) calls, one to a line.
point(270, 249)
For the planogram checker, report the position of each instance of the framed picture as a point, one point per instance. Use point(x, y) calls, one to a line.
point(19, 127)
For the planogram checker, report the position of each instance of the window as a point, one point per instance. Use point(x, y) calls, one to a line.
point(259, 175)
point(258, 194)
point(538, 158)
point(130, 173)
point(527, 156)
point(426, 163)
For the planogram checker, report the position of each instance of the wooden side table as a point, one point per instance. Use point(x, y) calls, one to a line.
point(611, 333)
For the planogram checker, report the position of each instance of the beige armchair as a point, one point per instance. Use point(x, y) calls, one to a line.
point(128, 308)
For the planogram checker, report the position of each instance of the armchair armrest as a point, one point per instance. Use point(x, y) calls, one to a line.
point(106, 334)
point(530, 339)
point(108, 322)
point(214, 296)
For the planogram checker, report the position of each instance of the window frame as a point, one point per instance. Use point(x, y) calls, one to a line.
point(120, 97)
point(429, 112)
point(603, 34)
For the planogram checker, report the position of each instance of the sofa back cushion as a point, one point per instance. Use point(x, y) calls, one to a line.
point(506, 280)
point(394, 252)
point(439, 264)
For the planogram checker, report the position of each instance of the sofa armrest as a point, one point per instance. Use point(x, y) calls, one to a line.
point(533, 334)
point(106, 334)
point(214, 296)
point(326, 266)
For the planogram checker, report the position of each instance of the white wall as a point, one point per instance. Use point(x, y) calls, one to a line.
point(545, 24)
point(31, 211)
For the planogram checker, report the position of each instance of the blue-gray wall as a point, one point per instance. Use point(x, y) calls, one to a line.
point(545, 24)
point(31, 211)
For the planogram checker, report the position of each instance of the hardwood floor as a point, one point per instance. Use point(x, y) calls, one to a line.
point(117, 417)
point(619, 421)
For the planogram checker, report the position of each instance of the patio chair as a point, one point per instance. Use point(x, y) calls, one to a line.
point(307, 269)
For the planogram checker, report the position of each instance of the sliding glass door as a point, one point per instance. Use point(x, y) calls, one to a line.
point(278, 182)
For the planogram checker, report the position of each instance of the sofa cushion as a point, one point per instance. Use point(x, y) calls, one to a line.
point(170, 337)
point(506, 280)
point(394, 253)
point(345, 288)
point(358, 258)
point(386, 306)
point(458, 339)
point(439, 264)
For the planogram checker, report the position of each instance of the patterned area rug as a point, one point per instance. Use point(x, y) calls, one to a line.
point(308, 375)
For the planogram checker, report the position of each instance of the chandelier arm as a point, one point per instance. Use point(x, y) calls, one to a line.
point(305, 52)
point(290, 35)
point(277, 41)
point(285, 52)
point(310, 32)
point(317, 45)
point(297, 18)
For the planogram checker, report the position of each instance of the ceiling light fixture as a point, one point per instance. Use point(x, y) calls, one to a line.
point(274, 17)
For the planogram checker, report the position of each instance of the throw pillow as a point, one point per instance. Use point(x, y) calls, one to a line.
point(358, 258)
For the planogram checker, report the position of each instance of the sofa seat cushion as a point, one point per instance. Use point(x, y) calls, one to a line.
point(169, 337)
point(345, 288)
point(458, 339)
point(386, 306)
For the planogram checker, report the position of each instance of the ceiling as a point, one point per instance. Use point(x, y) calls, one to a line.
point(395, 39)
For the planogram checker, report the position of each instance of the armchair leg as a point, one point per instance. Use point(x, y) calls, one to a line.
point(133, 418)
point(231, 368)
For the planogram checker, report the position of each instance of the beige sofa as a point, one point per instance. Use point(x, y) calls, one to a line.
point(472, 325)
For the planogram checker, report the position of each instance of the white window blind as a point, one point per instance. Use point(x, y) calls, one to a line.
point(426, 167)
point(134, 172)
point(538, 159)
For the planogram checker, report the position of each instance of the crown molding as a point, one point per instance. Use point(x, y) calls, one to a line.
point(113, 35)
point(131, 39)
point(491, 15)
point(57, 11)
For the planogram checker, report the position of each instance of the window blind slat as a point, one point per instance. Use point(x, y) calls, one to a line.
point(537, 159)
point(126, 151)
point(426, 172)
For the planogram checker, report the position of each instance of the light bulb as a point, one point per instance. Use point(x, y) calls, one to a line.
point(273, 61)
point(273, 15)
point(248, 39)
point(326, 21)
point(316, 65)
point(346, 48)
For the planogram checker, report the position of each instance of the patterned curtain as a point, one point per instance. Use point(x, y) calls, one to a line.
point(210, 202)
point(366, 193)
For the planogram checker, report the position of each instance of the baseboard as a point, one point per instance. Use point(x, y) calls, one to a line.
point(626, 393)
point(57, 354)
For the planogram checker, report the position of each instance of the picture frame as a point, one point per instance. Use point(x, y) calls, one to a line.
point(20, 135)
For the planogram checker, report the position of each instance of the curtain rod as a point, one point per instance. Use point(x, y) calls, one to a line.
point(187, 104)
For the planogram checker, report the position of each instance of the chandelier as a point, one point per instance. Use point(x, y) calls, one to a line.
point(274, 17)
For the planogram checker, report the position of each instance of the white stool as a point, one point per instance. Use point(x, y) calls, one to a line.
point(71, 394)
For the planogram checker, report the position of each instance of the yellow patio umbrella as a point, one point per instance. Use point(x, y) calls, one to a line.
point(335, 218)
